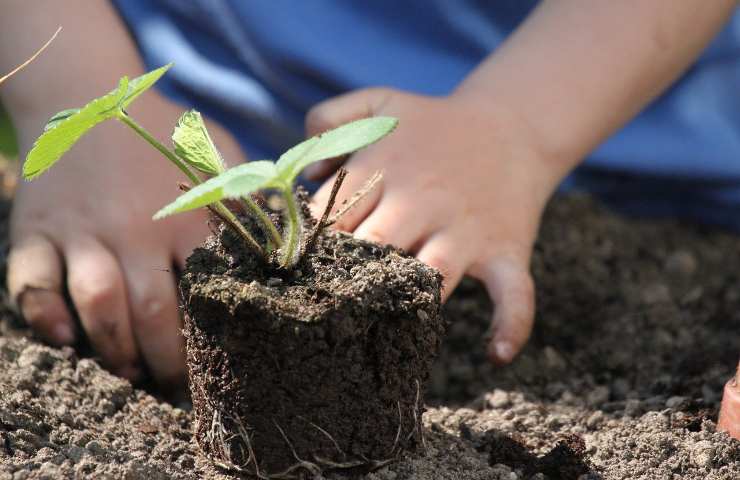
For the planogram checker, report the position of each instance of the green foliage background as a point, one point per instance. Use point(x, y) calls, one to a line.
point(8, 145)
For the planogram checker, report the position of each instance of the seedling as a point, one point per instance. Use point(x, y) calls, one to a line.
point(196, 156)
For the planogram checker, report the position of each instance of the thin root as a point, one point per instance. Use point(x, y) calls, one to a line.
point(369, 186)
point(400, 427)
point(219, 443)
point(336, 445)
point(218, 439)
point(314, 469)
point(417, 415)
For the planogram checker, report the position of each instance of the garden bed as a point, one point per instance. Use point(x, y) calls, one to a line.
point(638, 328)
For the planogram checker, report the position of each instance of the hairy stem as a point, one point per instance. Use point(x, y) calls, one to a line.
point(292, 228)
point(268, 228)
point(226, 215)
point(122, 116)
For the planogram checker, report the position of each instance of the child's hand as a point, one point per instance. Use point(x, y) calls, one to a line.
point(86, 227)
point(463, 189)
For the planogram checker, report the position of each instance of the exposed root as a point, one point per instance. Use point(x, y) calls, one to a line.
point(417, 415)
point(369, 186)
point(336, 445)
point(218, 448)
point(312, 468)
point(219, 440)
point(339, 465)
point(398, 432)
point(244, 435)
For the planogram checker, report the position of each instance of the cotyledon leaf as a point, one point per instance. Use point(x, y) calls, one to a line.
point(233, 183)
point(64, 132)
point(194, 145)
point(334, 143)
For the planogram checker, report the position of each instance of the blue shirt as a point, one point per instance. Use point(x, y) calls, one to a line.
point(257, 66)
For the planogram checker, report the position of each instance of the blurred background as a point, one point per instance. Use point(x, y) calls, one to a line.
point(8, 145)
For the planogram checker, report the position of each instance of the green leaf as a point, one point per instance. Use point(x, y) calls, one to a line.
point(194, 145)
point(233, 183)
point(59, 117)
point(140, 84)
point(334, 143)
point(65, 132)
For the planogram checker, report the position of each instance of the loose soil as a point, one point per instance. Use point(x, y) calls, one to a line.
point(637, 331)
point(316, 367)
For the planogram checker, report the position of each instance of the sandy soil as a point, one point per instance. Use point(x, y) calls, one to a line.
point(637, 330)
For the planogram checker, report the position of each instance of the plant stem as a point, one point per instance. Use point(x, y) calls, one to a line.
point(293, 229)
point(122, 116)
point(268, 228)
point(223, 212)
point(323, 221)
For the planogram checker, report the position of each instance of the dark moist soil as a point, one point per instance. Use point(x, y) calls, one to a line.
point(316, 367)
point(637, 331)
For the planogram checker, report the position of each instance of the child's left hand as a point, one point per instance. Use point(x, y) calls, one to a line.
point(463, 188)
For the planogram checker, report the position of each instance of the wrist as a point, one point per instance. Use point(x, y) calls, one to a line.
point(543, 153)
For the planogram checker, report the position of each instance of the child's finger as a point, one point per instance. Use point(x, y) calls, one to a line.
point(443, 251)
point(511, 289)
point(155, 316)
point(337, 111)
point(344, 108)
point(35, 284)
point(97, 289)
point(394, 222)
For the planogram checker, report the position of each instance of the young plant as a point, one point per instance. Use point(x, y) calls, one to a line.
point(194, 153)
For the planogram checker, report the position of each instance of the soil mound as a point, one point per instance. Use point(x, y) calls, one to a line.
point(637, 332)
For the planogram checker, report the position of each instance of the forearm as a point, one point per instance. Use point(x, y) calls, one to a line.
point(86, 59)
point(575, 71)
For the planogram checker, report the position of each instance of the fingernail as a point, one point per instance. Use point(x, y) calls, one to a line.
point(504, 351)
point(64, 334)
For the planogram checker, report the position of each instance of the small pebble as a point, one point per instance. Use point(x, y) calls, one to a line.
point(693, 295)
point(633, 408)
point(675, 402)
point(655, 294)
point(498, 399)
point(96, 448)
point(595, 419)
point(702, 454)
point(598, 396)
point(681, 262)
point(553, 359)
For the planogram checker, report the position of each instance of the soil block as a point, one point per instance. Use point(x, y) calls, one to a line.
point(320, 367)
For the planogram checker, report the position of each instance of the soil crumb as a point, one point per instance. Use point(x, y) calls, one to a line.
point(637, 331)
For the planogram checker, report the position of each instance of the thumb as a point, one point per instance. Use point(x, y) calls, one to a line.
point(337, 111)
point(511, 289)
